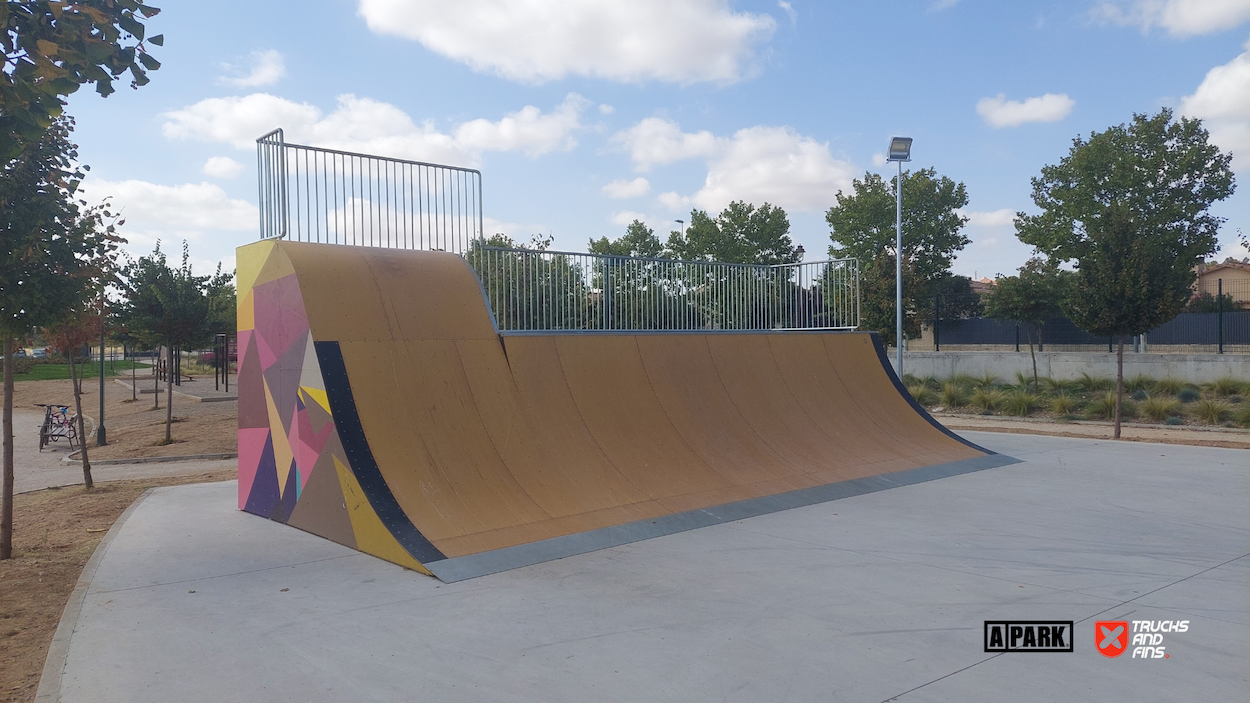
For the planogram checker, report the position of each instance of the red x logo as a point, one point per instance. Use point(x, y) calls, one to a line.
point(1111, 636)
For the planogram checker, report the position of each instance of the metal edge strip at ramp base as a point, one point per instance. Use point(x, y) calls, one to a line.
point(485, 563)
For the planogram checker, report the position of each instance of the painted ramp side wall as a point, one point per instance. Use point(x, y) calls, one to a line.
point(381, 369)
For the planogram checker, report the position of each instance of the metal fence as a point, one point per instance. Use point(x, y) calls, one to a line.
point(538, 291)
point(309, 194)
point(1187, 332)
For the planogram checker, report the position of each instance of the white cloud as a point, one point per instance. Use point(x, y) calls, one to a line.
point(679, 42)
point(940, 5)
point(268, 68)
point(606, 109)
point(674, 200)
point(527, 130)
point(222, 167)
point(1222, 100)
point(625, 217)
point(993, 218)
point(627, 189)
point(789, 10)
point(1180, 18)
point(1001, 112)
point(879, 160)
point(770, 164)
point(373, 127)
point(656, 141)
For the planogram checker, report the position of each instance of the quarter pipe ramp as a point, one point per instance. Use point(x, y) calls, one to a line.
point(380, 408)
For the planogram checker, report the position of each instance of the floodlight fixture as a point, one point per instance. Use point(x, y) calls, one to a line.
point(900, 149)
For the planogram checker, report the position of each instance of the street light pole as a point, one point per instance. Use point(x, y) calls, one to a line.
point(101, 437)
point(900, 151)
point(683, 226)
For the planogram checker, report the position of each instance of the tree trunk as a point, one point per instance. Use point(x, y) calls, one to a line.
point(169, 395)
point(82, 426)
point(1119, 384)
point(6, 503)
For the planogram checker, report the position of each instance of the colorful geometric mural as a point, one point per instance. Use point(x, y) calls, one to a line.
point(292, 466)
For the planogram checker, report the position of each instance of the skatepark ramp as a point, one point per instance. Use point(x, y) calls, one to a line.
point(381, 406)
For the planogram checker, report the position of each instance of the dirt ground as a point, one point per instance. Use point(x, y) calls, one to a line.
point(133, 427)
point(56, 531)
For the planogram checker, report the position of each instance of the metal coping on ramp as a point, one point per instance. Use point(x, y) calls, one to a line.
point(486, 563)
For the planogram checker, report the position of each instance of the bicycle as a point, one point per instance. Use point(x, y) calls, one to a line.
point(57, 423)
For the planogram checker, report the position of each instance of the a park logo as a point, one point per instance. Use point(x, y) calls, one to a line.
point(1111, 636)
point(1028, 636)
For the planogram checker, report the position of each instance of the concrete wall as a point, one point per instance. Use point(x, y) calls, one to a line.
point(1197, 368)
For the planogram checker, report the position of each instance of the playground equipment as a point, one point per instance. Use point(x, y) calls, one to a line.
point(382, 404)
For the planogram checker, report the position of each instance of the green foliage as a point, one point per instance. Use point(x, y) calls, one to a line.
point(1064, 404)
point(987, 380)
point(1140, 382)
point(963, 380)
point(990, 399)
point(955, 300)
point(532, 291)
point(1174, 420)
point(163, 305)
point(49, 372)
point(921, 393)
point(1055, 385)
point(1205, 302)
point(1169, 385)
point(862, 226)
point(639, 240)
point(1212, 412)
point(741, 234)
point(1103, 406)
point(1160, 408)
point(1227, 386)
point(1031, 297)
point(952, 395)
point(1188, 394)
point(1090, 383)
point(222, 303)
point(1139, 395)
point(1020, 403)
point(1130, 207)
point(1243, 417)
point(53, 249)
point(52, 48)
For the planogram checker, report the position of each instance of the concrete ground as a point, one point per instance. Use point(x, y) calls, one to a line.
point(35, 470)
point(873, 598)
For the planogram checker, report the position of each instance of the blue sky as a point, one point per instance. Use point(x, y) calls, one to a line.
point(583, 114)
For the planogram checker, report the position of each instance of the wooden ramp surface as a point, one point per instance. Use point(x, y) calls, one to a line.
point(476, 453)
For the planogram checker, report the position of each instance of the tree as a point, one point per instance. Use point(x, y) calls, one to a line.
point(741, 234)
point(222, 303)
point(52, 47)
point(1130, 206)
point(1206, 302)
point(955, 299)
point(639, 241)
point(74, 332)
point(862, 226)
point(167, 307)
point(1031, 298)
point(50, 248)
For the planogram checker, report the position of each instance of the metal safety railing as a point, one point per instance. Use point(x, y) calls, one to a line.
point(548, 291)
point(310, 194)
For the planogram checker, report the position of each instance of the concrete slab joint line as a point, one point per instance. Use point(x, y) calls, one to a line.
point(49, 690)
point(380, 408)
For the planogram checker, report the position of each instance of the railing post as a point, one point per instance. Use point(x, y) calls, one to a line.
point(1017, 336)
point(937, 318)
point(1219, 307)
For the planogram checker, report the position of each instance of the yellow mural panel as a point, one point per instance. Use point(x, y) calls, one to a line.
point(372, 536)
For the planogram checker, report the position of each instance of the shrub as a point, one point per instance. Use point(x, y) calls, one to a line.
point(1063, 404)
point(1188, 394)
point(1160, 408)
point(1140, 382)
point(1105, 407)
point(1226, 386)
point(989, 399)
point(921, 393)
point(1021, 403)
point(987, 379)
point(1091, 384)
point(1169, 385)
point(1139, 395)
point(1174, 420)
point(962, 380)
point(952, 395)
point(1055, 385)
point(1243, 417)
point(1212, 412)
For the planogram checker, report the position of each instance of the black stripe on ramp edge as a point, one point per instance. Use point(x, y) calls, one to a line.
point(902, 390)
point(360, 457)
